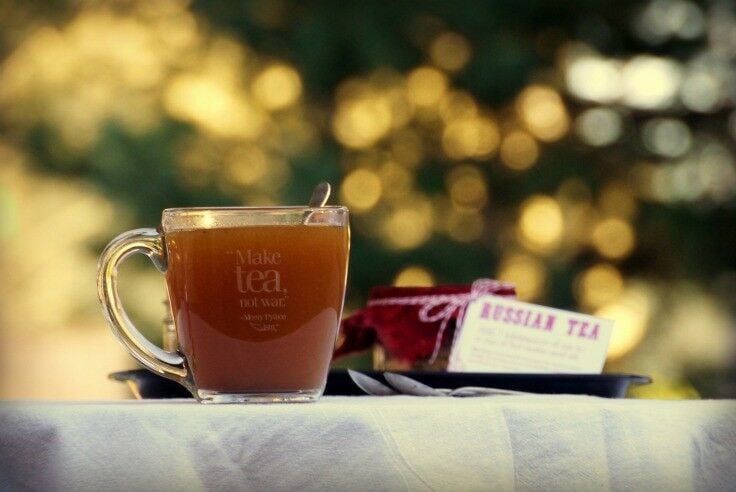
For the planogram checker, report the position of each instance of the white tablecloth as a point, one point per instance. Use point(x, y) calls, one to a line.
point(367, 443)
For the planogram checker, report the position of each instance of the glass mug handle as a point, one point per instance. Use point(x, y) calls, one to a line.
point(150, 243)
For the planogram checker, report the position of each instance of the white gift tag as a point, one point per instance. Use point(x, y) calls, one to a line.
point(504, 335)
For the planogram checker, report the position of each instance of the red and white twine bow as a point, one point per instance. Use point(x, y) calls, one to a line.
point(444, 306)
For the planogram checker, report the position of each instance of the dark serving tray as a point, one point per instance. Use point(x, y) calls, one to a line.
point(147, 385)
point(605, 385)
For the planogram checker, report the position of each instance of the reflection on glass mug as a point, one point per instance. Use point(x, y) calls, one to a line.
point(256, 295)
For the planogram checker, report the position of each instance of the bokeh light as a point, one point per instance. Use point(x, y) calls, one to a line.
point(591, 77)
point(409, 224)
point(661, 20)
point(277, 86)
point(701, 90)
point(470, 137)
point(204, 100)
point(519, 150)
point(361, 190)
point(362, 119)
point(458, 105)
point(450, 51)
point(426, 86)
point(540, 224)
point(414, 276)
point(668, 137)
point(632, 312)
point(599, 126)
point(650, 82)
point(543, 112)
point(600, 284)
point(526, 272)
point(246, 165)
point(467, 187)
point(613, 238)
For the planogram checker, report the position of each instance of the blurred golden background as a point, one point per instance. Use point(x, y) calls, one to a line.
point(583, 151)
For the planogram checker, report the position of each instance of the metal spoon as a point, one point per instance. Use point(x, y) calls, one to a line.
point(482, 391)
point(369, 385)
point(411, 386)
point(408, 386)
point(320, 195)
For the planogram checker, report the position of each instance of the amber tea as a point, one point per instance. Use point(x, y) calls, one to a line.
point(257, 308)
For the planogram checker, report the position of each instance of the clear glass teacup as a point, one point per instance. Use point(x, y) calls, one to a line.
point(256, 296)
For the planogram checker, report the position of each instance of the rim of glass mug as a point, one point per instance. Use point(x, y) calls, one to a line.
point(257, 207)
point(174, 219)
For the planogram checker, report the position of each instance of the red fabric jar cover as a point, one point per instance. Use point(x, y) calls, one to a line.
point(407, 321)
